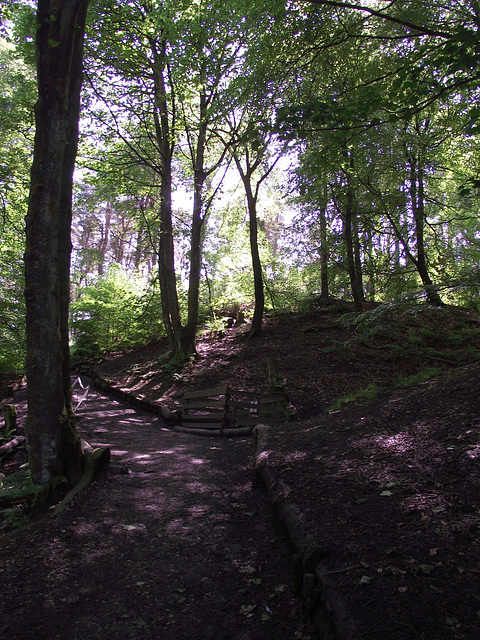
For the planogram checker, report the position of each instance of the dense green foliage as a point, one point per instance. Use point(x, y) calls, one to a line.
point(115, 312)
point(17, 94)
point(354, 126)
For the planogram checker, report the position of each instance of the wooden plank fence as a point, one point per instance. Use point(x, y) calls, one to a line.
point(225, 411)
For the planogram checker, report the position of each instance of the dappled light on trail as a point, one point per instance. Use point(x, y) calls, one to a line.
point(397, 443)
point(170, 526)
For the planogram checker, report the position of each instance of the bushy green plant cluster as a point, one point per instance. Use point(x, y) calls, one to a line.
point(118, 311)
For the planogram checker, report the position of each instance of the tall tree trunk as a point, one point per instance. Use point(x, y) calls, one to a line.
point(53, 443)
point(166, 254)
point(417, 198)
point(166, 268)
point(252, 163)
point(324, 293)
point(352, 246)
point(256, 326)
point(246, 176)
point(196, 238)
point(103, 242)
point(357, 255)
point(349, 247)
point(370, 266)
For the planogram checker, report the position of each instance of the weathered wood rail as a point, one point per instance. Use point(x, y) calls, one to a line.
point(226, 411)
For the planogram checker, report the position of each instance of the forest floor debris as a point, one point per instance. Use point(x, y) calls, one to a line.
point(387, 487)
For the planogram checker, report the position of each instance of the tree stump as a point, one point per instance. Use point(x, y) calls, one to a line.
point(277, 384)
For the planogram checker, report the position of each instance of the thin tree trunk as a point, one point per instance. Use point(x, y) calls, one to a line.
point(53, 442)
point(371, 266)
point(348, 235)
point(246, 176)
point(196, 239)
point(324, 293)
point(256, 326)
point(357, 258)
point(103, 243)
point(417, 197)
point(351, 237)
point(166, 253)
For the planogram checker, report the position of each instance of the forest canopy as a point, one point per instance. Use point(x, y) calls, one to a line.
point(248, 157)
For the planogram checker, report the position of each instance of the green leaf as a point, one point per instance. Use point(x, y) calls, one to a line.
point(247, 569)
point(247, 610)
point(280, 588)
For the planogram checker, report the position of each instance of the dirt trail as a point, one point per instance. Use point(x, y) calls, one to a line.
point(183, 546)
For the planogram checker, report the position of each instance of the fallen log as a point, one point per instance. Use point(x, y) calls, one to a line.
point(16, 442)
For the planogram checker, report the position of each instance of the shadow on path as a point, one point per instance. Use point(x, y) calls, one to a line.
point(184, 546)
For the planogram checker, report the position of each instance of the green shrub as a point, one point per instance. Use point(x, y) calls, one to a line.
point(118, 311)
point(421, 376)
point(367, 393)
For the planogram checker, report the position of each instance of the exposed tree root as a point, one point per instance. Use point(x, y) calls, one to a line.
point(95, 460)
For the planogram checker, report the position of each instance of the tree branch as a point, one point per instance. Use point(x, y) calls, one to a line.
point(420, 29)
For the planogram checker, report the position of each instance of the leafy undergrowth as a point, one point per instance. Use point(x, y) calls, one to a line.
point(18, 495)
point(448, 335)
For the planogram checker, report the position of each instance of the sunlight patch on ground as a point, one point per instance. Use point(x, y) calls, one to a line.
point(473, 452)
point(177, 526)
point(423, 502)
point(399, 442)
point(118, 452)
point(296, 456)
point(198, 487)
point(263, 456)
point(198, 510)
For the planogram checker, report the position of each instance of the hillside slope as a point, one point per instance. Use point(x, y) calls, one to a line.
point(387, 488)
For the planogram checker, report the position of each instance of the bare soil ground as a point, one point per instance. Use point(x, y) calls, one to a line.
point(185, 546)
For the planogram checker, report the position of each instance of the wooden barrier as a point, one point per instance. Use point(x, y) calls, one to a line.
point(225, 411)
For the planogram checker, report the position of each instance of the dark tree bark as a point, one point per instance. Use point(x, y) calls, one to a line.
point(166, 254)
point(53, 442)
point(196, 238)
point(256, 326)
point(350, 243)
point(246, 176)
point(324, 293)
point(255, 154)
point(201, 207)
point(417, 198)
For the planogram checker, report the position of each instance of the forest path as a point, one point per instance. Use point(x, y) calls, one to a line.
point(183, 546)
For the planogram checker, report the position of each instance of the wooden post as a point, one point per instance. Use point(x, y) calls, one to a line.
point(277, 385)
point(10, 417)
